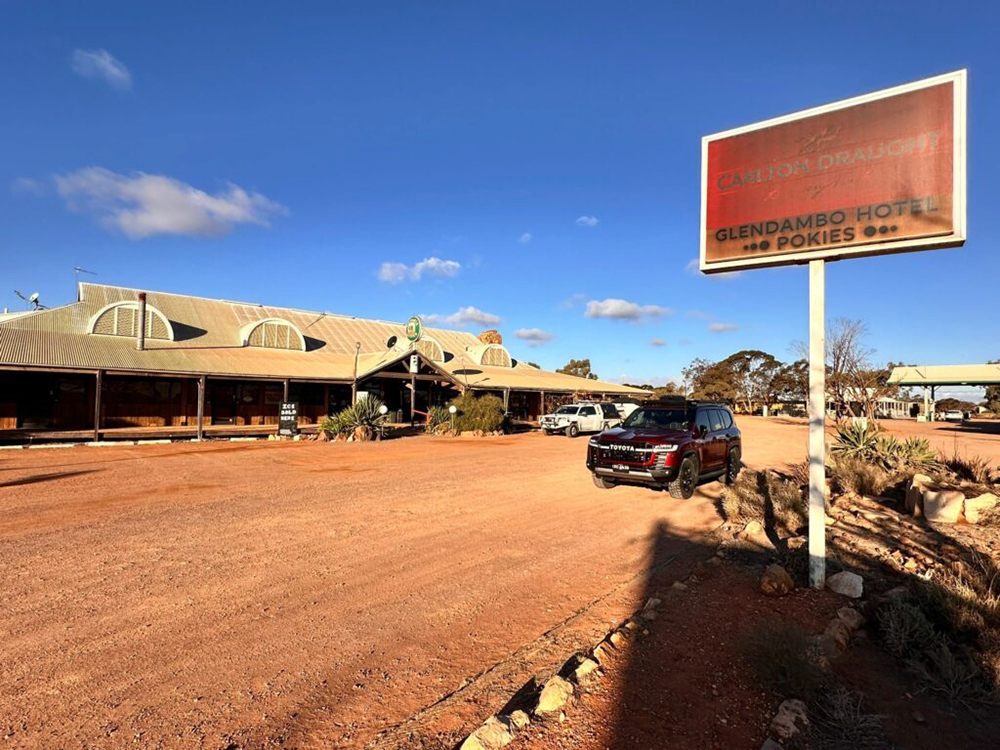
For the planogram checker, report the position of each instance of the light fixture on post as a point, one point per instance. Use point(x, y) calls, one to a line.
point(452, 410)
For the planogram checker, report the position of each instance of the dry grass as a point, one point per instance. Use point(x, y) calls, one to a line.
point(764, 496)
point(970, 468)
point(779, 652)
point(855, 475)
point(838, 723)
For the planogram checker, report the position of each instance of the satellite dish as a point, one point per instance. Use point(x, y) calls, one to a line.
point(391, 342)
point(33, 298)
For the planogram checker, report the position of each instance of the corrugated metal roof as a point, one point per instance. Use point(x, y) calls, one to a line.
point(946, 375)
point(208, 341)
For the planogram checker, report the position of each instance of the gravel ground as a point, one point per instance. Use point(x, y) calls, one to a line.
point(309, 594)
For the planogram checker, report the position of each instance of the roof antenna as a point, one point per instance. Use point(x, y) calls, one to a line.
point(77, 270)
point(32, 300)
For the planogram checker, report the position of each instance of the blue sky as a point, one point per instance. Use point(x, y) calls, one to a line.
point(521, 159)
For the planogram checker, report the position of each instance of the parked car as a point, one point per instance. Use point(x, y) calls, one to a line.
point(572, 419)
point(673, 444)
point(953, 415)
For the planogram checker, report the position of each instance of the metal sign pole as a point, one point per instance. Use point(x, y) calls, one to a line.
point(817, 423)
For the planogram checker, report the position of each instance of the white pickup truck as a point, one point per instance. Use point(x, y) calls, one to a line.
point(573, 419)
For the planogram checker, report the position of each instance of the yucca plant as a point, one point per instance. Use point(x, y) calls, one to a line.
point(365, 414)
point(856, 440)
point(437, 416)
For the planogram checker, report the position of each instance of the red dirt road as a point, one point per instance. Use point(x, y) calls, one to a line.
point(308, 594)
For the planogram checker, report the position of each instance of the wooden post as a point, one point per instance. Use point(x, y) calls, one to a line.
point(285, 395)
point(541, 405)
point(326, 399)
point(413, 400)
point(201, 408)
point(817, 423)
point(97, 404)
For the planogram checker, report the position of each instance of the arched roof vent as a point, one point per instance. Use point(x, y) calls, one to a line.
point(491, 355)
point(430, 348)
point(122, 319)
point(273, 333)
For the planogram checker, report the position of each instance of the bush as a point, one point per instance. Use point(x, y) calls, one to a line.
point(437, 416)
point(762, 496)
point(904, 629)
point(972, 468)
point(836, 722)
point(364, 414)
point(858, 476)
point(780, 654)
point(864, 442)
point(484, 413)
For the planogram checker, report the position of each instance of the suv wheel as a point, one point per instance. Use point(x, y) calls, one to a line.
point(687, 479)
point(604, 484)
point(733, 467)
point(573, 430)
point(549, 432)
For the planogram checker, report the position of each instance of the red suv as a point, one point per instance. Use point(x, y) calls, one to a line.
point(674, 444)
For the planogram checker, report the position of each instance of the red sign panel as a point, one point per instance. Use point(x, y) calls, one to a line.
point(880, 173)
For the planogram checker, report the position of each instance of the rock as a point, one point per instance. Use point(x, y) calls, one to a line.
point(974, 506)
point(751, 529)
point(494, 733)
point(898, 593)
point(616, 638)
point(839, 633)
point(652, 603)
point(585, 671)
point(602, 653)
point(770, 744)
point(943, 506)
point(919, 717)
point(846, 584)
point(829, 520)
point(851, 617)
point(796, 542)
point(519, 720)
point(648, 614)
point(556, 694)
point(323, 437)
point(754, 533)
point(790, 720)
point(678, 586)
point(776, 581)
point(631, 625)
point(915, 493)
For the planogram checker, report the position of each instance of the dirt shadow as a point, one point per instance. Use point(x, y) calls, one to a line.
point(37, 478)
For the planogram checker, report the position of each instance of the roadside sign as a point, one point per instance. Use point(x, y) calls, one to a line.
point(288, 418)
point(876, 174)
point(414, 364)
point(880, 173)
point(414, 329)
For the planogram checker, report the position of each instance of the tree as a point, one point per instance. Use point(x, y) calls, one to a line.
point(993, 395)
point(753, 374)
point(791, 382)
point(580, 368)
point(711, 381)
point(534, 364)
point(853, 383)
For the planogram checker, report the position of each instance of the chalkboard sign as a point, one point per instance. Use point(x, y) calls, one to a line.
point(288, 418)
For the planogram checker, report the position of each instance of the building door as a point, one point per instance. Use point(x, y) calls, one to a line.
point(222, 402)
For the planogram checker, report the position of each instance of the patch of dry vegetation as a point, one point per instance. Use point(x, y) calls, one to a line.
point(763, 496)
point(858, 476)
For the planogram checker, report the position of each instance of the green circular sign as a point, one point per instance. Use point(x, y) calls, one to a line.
point(414, 329)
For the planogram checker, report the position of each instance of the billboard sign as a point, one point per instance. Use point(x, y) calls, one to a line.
point(875, 174)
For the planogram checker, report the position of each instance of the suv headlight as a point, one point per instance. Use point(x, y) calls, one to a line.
point(594, 442)
point(664, 448)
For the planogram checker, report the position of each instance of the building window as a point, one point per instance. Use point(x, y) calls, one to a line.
point(122, 319)
point(273, 333)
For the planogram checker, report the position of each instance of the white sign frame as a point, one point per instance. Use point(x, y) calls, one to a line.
point(959, 79)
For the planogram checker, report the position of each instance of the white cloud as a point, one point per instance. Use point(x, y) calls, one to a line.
point(534, 336)
point(698, 315)
point(525, 238)
point(722, 327)
point(657, 342)
point(394, 273)
point(465, 316)
point(144, 205)
point(694, 268)
point(619, 309)
point(572, 301)
point(27, 186)
point(99, 63)
point(588, 221)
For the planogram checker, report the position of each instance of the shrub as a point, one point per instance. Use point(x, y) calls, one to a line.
point(972, 468)
point(904, 628)
point(763, 495)
point(436, 417)
point(365, 414)
point(863, 442)
point(858, 476)
point(484, 413)
point(779, 653)
point(836, 722)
